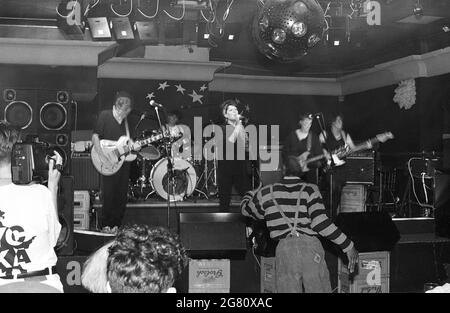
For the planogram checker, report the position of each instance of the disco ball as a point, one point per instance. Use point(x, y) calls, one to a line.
point(284, 30)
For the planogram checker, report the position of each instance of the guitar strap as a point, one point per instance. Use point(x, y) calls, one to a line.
point(308, 142)
point(127, 129)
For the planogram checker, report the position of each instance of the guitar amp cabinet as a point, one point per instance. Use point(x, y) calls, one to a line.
point(360, 168)
point(85, 175)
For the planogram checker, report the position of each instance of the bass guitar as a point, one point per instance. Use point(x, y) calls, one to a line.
point(338, 155)
point(117, 152)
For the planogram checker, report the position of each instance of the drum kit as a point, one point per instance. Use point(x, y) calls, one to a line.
point(191, 178)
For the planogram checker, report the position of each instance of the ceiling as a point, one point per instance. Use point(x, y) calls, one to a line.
point(369, 45)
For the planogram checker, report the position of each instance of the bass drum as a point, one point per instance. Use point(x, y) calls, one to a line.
point(183, 183)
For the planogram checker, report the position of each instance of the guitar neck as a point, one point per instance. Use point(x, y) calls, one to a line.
point(365, 145)
point(149, 140)
point(314, 159)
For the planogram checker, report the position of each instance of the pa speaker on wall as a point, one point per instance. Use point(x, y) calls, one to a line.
point(17, 107)
point(213, 235)
point(65, 245)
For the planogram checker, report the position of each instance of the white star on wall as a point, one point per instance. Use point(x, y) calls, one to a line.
point(150, 96)
point(163, 86)
point(196, 97)
point(180, 88)
point(203, 88)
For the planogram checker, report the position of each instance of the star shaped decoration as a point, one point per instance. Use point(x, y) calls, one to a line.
point(163, 86)
point(247, 108)
point(196, 97)
point(237, 100)
point(203, 88)
point(150, 96)
point(180, 88)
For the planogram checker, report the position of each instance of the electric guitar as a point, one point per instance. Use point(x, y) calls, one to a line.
point(338, 154)
point(118, 152)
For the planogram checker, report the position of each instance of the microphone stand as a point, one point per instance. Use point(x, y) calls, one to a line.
point(321, 123)
point(169, 165)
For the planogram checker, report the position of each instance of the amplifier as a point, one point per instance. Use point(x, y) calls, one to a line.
point(81, 200)
point(361, 168)
point(85, 175)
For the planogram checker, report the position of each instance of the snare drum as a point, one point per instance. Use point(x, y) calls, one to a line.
point(184, 182)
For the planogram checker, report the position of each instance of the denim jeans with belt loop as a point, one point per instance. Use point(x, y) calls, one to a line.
point(300, 262)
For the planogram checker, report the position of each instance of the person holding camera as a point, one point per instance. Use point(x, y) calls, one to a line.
point(29, 224)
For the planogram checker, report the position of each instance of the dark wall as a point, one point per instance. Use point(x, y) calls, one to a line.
point(282, 110)
point(418, 129)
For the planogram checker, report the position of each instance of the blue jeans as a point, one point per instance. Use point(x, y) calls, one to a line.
point(300, 262)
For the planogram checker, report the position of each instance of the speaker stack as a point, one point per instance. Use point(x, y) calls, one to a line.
point(42, 114)
point(46, 115)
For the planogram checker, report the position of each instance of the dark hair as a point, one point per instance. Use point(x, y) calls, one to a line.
point(176, 113)
point(224, 106)
point(145, 260)
point(123, 94)
point(9, 135)
point(304, 114)
point(291, 166)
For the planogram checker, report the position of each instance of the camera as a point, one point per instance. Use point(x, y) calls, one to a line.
point(29, 162)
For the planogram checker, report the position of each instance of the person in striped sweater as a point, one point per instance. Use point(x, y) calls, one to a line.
point(295, 216)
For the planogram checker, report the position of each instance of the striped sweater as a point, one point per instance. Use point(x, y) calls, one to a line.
point(312, 219)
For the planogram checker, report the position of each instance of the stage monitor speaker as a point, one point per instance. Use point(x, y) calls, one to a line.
point(213, 235)
point(65, 245)
point(370, 231)
point(442, 203)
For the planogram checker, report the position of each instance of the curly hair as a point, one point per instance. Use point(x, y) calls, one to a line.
point(9, 135)
point(145, 260)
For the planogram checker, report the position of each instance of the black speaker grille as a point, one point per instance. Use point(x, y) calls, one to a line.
point(19, 114)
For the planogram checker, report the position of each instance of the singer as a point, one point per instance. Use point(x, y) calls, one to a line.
point(232, 169)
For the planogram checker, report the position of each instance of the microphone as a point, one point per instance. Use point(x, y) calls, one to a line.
point(154, 104)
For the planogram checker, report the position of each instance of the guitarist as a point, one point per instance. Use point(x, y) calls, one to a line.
point(303, 144)
point(333, 139)
point(111, 125)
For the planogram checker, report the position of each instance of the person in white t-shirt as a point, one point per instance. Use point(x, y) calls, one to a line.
point(29, 225)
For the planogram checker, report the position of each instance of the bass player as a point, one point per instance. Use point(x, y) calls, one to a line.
point(303, 146)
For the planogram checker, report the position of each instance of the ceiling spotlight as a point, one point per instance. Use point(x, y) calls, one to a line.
point(264, 23)
point(299, 29)
point(278, 36)
point(418, 9)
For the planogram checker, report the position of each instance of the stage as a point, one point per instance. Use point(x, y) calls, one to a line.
point(417, 258)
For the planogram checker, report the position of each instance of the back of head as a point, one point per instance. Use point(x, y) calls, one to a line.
point(9, 135)
point(292, 166)
point(144, 260)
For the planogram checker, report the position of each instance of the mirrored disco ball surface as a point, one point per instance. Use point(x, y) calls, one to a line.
point(285, 30)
